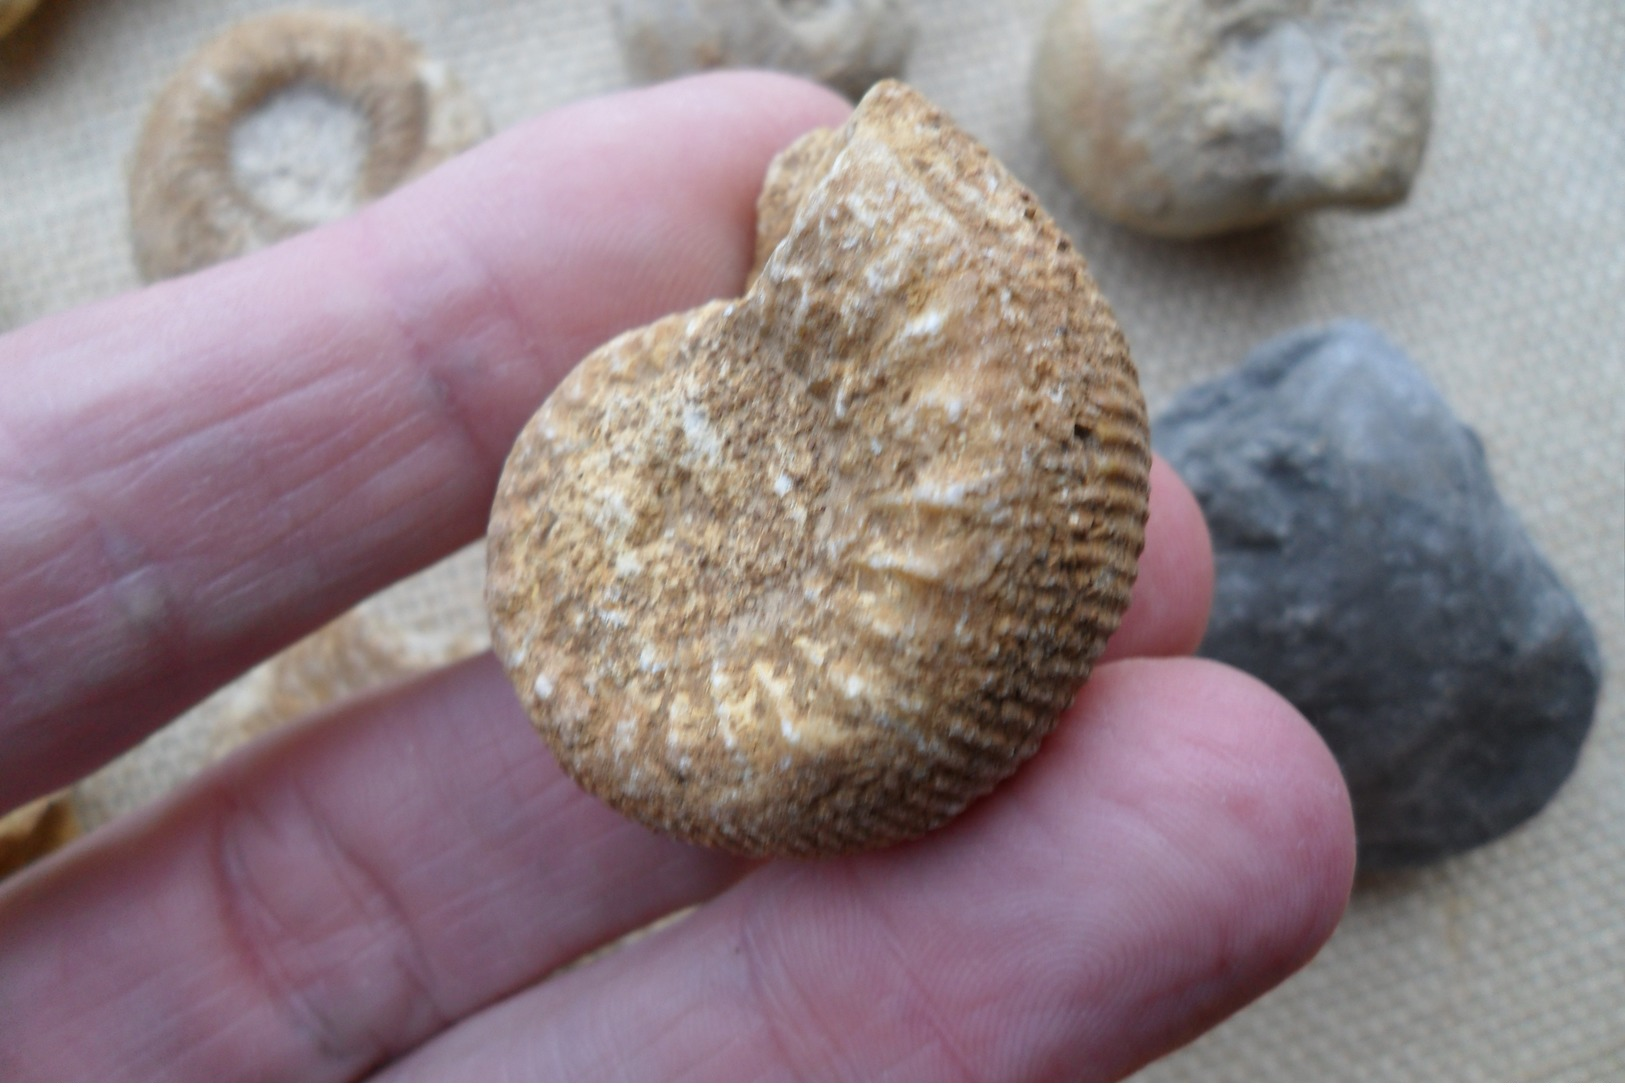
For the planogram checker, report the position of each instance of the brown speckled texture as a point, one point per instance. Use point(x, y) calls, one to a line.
point(808, 571)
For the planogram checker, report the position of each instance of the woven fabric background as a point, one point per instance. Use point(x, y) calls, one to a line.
point(1503, 275)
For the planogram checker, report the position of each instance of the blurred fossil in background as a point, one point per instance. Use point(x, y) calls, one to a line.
point(1186, 118)
point(847, 44)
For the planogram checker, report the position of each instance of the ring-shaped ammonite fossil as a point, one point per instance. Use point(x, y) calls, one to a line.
point(808, 571)
point(188, 209)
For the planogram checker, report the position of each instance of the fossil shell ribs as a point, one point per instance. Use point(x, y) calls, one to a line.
point(808, 571)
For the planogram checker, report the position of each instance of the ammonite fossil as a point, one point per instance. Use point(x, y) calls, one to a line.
point(1188, 118)
point(808, 571)
point(846, 44)
point(188, 207)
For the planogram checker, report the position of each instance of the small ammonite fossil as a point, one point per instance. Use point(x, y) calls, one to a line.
point(1188, 118)
point(808, 571)
point(846, 44)
point(190, 203)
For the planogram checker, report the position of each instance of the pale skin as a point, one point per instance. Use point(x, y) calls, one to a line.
point(194, 475)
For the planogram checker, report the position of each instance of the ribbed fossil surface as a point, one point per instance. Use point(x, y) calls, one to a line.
point(808, 571)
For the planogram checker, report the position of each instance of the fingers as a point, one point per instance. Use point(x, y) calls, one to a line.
point(193, 475)
point(1179, 846)
point(1168, 612)
point(328, 899)
point(336, 896)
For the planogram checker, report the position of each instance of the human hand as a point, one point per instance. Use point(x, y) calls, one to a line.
point(196, 474)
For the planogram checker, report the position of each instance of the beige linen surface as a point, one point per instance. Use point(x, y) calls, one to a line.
point(1502, 275)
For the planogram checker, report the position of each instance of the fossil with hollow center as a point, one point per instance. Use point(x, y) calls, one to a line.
point(808, 571)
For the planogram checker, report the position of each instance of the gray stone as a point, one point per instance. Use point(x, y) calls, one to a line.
point(1368, 570)
point(1192, 117)
point(847, 44)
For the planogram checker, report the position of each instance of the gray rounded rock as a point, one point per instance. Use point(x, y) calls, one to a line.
point(847, 44)
point(1368, 570)
point(1187, 117)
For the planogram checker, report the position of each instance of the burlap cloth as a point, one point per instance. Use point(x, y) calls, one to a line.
point(1503, 275)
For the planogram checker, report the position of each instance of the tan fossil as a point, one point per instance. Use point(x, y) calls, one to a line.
point(845, 44)
point(353, 656)
point(194, 201)
point(808, 571)
point(1189, 118)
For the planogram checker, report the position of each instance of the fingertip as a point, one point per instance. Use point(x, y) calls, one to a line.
point(671, 171)
point(788, 105)
point(1259, 745)
point(509, 264)
point(1264, 813)
point(1174, 589)
point(758, 114)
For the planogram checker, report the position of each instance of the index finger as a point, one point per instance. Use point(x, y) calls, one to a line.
point(196, 474)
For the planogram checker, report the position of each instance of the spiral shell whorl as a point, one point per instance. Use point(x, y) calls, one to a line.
point(809, 571)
